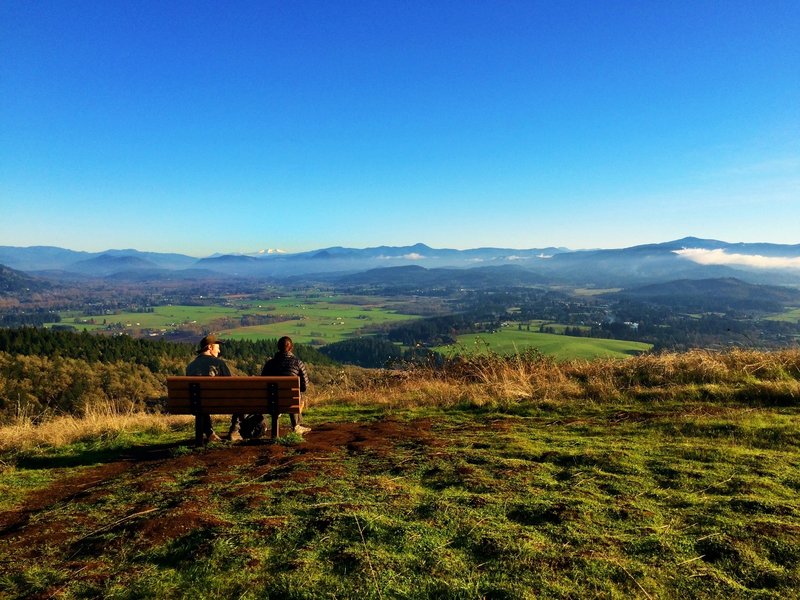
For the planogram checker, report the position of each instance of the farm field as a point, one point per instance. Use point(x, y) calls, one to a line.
point(320, 321)
point(792, 316)
point(557, 500)
point(510, 340)
point(162, 317)
point(556, 327)
point(317, 322)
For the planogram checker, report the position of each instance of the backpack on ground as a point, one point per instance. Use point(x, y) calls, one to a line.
point(252, 427)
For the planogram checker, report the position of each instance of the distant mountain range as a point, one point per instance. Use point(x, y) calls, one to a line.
point(688, 258)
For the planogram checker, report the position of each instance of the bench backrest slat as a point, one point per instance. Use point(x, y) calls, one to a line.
point(234, 394)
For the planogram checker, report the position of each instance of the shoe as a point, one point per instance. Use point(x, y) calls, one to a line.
point(301, 429)
point(214, 437)
point(235, 436)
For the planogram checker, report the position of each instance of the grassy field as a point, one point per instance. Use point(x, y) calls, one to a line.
point(550, 500)
point(163, 317)
point(792, 316)
point(319, 321)
point(659, 476)
point(323, 320)
point(510, 340)
point(168, 317)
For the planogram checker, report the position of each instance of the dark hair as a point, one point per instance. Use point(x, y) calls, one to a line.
point(285, 344)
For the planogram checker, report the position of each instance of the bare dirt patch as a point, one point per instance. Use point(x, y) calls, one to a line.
point(177, 523)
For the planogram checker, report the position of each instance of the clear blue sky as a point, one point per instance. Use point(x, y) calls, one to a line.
point(203, 127)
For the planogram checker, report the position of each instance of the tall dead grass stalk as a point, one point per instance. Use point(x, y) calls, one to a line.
point(96, 423)
point(487, 377)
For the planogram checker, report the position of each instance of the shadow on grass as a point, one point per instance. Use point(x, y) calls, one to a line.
point(90, 456)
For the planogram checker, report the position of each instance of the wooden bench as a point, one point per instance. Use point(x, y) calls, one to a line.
point(200, 396)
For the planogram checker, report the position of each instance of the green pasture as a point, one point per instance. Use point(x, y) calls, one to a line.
point(509, 340)
point(323, 320)
point(162, 317)
point(317, 322)
point(375, 312)
point(557, 327)
point(791, 316)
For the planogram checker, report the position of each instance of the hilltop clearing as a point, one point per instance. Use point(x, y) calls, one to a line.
point(698, 501)
point(657, 476)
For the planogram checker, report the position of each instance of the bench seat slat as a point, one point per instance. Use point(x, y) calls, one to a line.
point(233, 394)
point(212, 407)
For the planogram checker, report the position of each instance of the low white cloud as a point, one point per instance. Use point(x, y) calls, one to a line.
point(410, 256)
point(719, 256)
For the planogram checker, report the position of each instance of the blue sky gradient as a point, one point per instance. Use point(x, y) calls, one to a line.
point(203, 127)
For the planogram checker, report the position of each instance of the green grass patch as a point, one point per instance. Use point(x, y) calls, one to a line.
point(510, 340)
point(666, 500)
point(16, 484)
point(163, 317)
point(317, 322)
point(791, 316)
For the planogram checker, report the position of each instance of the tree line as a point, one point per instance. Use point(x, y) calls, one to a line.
point(35, 318)
point(158, 355)
point(45, 372)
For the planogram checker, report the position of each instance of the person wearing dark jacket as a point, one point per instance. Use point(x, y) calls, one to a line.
point(286, 363)
point(208, 364)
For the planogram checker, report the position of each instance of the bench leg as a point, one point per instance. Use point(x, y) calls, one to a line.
point(275, 426)
point(198, 430)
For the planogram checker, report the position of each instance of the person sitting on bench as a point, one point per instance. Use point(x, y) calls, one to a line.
point(286, 363)
point(208, 363)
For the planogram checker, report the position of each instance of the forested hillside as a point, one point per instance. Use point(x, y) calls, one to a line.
point(12, 280)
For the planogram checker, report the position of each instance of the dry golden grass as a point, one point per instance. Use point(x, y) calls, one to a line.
point(489, 378)
point(99, 422)
point(742, 376)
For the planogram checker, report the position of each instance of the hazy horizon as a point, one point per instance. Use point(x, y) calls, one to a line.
point(699, 255)
point(203, 129)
